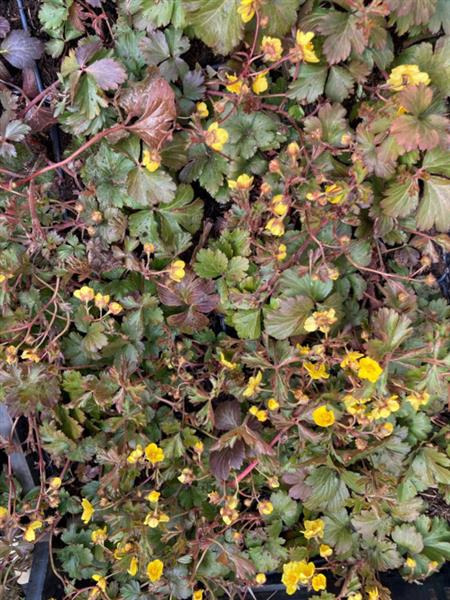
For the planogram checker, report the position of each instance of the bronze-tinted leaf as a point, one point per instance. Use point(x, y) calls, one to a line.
point(227, 415)
point(21, 50)
point(223, 460)
point(108, 73)
point(152, 101)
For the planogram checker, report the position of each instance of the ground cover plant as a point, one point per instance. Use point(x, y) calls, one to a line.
point(222, 329)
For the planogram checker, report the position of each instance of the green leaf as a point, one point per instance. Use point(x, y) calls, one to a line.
point(210, 263)
point(436, 537)
point(309, 84)
point(400, 198)
point(247, 323)
point(434, 209)
point(237, 268)
point(95, 339)
point(281, 15)
point(343, 34)
point(253, 131)
point(339, 84)
point(408, 538)
point(360, 252)
point(145, 188)
point(328, 491)
point(77, 560)
point(289, 318)
point(437, 161)
point(431, 467)
point(216, 22)
point(338, 531)
point(284, 508)
point(143, 225)
point(293, 285)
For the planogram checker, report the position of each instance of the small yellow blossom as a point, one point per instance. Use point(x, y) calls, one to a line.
point(135, 455)
point(296, 573)
point(410, 563)
point(273, 482)
point(275, 226)
point(273, 404)
point(319, 582)
point(99, 535)
point(151, 160)
point(11, 354)
point(323, 417)
point(151, 521)
point(246, 10)
point(3, 513)
point(354, 406)
point(55, 483)
point(252, 385)
point(351, 360)
point(5, 276)
point(122, 551)
point(154, 453)
point(304, 48)
point(202, 110)
point(149, 248)
point(30, 354)
point(316, 371)
point(197, 595)
point(153, 496)
point(30, 531)
point(216, 137)
point(405, 75)
point(115, 308)
point(281, 252)
point(313, 529)
point(84, 294)
point(186, 476)
point(101, 301)
point(418, 399)
point(260, 578)
point(369, 369)
point(334, 193)
point(325, 550)
point(272, 48)
point(101, 582)
point(243, 182)
point(260, 83)
point(320, 320)
point(373, 593)
point(279, 205)
point(303, 350)
point(88, 511)
point(133, 566)
point(265, 507)
point(387, 429)
point(199, 447)
point(177, 270)
point(235, 84)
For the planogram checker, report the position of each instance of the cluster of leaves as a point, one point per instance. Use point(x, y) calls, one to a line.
point(220, 311)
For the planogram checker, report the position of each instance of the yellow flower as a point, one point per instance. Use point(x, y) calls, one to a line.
point(243, 182)
point(418, 399)
point(272, 48)
point(11, 354)
point(199, 447)
point(247, 10)
point(304, 48)
point(260, 83)
point(30, 354)
point(280, 205)
point(115, 308)
point(252, 385)
point(319, 582)
point(313, 529)
point(88, 511)
point(154, 453)
point(234, 84)
point(153, 496)
point(155, 570)
point(303, 350)
point(373, 593)
point(84, 294)
point(101, 301)
point(405, 75)
point(335, 193)
point(216, 137)
point(30, 531)
point(273, 404)
point(99, 535)
point(262, 415)
point(3, 513)
point(387, 429)
point(323, 417)
point(101, 582)
point(275, 226)
point(55, 483)
point(295, 573)
point(177, 271)
point(325, 550)
point(369, 369)
point(351, 360)
point(122, 551)
point(320, 320)
point(260, 578)
point(316, 371)
point(133, 567)
point(265, 507)
point(410, 563)
point(151, 160)
point(135, 455)
point(202, 110)
point(149, 248)
point(151, 520)
point(197, 595)
point(225, 362)
point(5, 276)
point(186, 476)
point(354, 406)
point(281, 252)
